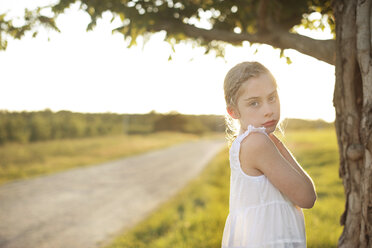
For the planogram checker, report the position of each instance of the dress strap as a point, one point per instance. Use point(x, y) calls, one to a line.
point(250, 128)
point(235, 150)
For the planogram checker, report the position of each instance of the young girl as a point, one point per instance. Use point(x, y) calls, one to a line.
point(268, 187)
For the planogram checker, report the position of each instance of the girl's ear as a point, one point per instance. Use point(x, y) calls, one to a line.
point(232, 112)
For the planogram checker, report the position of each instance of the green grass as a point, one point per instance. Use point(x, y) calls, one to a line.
point(317, 152)
point(195, 217)
point(19, 161)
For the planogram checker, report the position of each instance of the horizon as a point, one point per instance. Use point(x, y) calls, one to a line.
point(147, 113)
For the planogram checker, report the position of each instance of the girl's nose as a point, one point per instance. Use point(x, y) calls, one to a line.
point(268, 110)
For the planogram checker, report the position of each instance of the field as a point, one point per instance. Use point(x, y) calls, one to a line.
point(195, 217)
point(20, 161)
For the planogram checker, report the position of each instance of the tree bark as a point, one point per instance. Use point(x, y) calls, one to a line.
point(353, 104)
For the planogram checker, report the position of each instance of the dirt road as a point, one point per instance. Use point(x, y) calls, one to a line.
point(84, 207)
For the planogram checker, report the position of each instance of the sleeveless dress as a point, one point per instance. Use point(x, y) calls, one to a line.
point(260, 216)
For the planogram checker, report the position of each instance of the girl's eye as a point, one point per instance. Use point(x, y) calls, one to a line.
point(254, 104)
point(272, 98)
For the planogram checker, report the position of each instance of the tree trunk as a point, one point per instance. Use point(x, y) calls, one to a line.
point(353, 104)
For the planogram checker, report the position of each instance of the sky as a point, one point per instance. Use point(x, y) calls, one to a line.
point(95, 72)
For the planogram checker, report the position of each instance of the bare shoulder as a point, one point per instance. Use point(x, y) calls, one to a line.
point(252, 147)
point(256, 142)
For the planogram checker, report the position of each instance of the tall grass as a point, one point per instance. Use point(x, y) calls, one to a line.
point(317, 152)
point(19, 161)
point(195, 217)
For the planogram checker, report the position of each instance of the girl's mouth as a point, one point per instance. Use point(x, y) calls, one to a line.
point(269, 124)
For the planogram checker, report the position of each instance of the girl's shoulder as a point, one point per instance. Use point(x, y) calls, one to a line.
point(252, 135)
point(255, 143)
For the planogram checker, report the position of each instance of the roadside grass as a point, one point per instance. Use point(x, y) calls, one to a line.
point(20, 161)
point(195, 216)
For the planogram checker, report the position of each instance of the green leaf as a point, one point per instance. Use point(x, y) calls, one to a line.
point(289, 61)
point(122, 16)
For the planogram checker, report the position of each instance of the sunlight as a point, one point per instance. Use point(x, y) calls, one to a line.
point(95, 72)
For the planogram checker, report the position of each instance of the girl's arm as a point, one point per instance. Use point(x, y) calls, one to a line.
point(288, 156)
point(260, 152)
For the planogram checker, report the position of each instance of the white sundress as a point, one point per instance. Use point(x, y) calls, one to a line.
point(259, 214)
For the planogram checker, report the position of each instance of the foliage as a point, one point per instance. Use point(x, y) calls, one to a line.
point(45, 125)
point(185, 20)
point(173, 121)
point(26, 127)
point(324, 8)
point(32, 20)
point(296, 124)
point(195, 217)
point(179, 123)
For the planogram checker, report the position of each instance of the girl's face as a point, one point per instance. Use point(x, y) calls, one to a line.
point(257, 104)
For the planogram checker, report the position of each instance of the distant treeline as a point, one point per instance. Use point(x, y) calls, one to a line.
point(27, 127)
point(290, 124)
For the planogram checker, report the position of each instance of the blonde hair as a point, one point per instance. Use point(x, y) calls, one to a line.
point(234, 79)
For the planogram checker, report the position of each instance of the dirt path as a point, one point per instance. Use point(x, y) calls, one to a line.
point(84, 207)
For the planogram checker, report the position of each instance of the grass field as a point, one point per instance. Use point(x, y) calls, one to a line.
point(19, 161)
point(195, 217)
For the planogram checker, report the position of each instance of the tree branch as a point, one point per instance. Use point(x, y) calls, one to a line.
point(320, 49)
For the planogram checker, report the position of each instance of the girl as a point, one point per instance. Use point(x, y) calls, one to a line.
point(268, 187)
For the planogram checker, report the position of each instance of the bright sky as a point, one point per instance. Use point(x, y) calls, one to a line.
point(95, 72)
